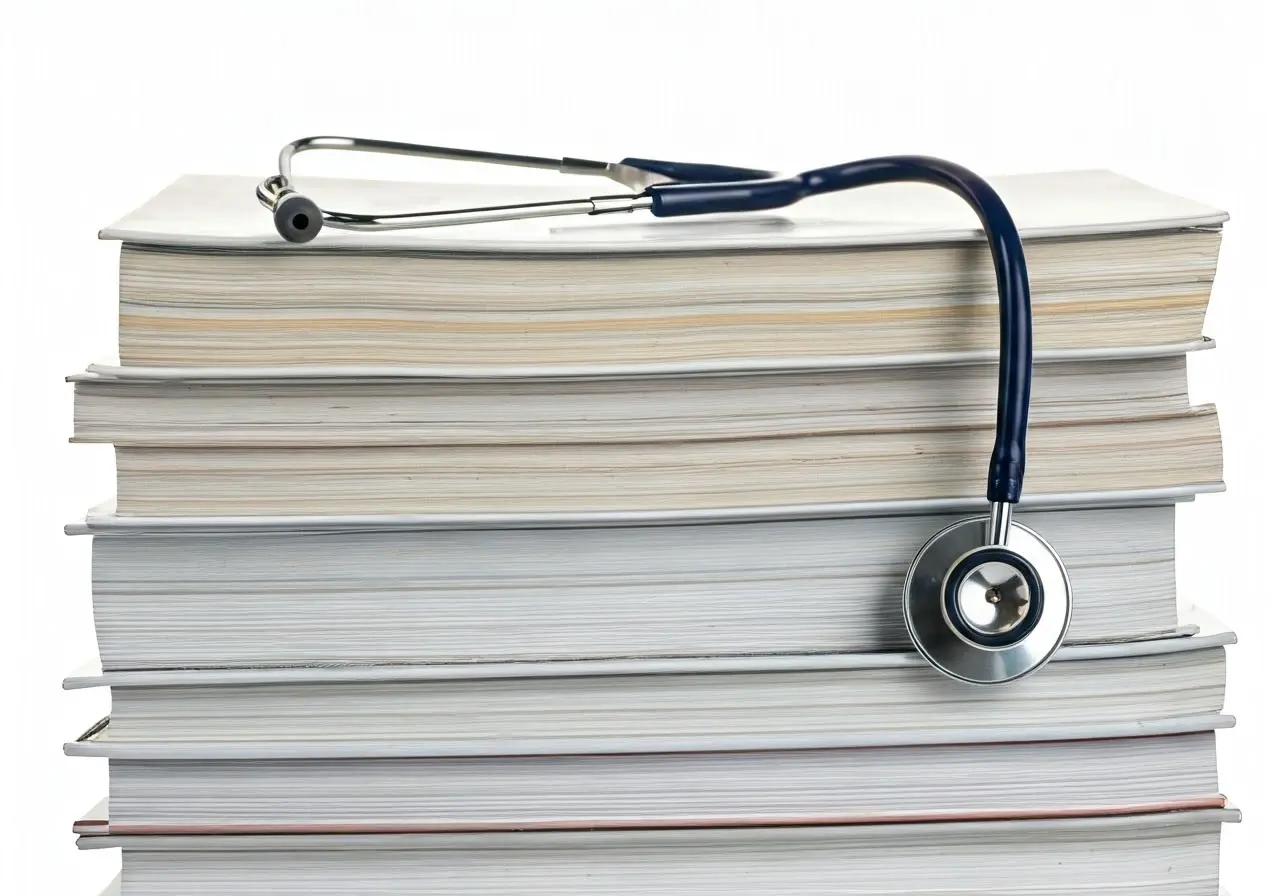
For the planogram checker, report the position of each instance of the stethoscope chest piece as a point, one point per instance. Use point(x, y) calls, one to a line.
point(987, 613)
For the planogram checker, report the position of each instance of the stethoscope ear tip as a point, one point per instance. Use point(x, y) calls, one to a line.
point(297, 218)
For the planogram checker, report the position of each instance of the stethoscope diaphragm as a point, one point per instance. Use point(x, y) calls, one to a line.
point(985, 613)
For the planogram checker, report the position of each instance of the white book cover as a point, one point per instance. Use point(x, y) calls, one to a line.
point(217, 211)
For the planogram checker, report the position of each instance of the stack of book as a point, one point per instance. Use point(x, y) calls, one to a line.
point(568, 558)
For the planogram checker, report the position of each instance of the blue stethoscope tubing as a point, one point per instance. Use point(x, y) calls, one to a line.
point(986, 600)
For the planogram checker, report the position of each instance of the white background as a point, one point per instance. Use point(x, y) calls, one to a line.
point(105, 103)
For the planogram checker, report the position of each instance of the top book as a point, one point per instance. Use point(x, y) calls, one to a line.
point(890, 270)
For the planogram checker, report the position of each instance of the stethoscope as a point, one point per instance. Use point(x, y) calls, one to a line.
point(986, 600)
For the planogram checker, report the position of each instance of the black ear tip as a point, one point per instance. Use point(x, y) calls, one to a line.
point(298, 219)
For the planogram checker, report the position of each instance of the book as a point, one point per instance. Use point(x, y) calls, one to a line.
point(768, 702)
point(1044, 772)
point(1150, 452)
point(567, 557)
point(205, 280)
point(327, 405)
point(1170, 853)
point(198, 267)
point(300, 592)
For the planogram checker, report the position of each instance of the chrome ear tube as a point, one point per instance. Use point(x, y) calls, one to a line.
point(986, 600)
point(299, 219)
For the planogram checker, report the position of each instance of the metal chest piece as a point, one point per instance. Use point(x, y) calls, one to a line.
point(986, 609)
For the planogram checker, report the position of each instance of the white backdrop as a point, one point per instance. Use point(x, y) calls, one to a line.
point(104, 104)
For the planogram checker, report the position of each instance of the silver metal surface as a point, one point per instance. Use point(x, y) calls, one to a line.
point(272, 190)
point(341, 221)
point(993, 598)
point(998, 527)
point(603, 205)
point(597, 205)
point(635, 178)
point(626, 175)
point(417, 150)
point(950, 652)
